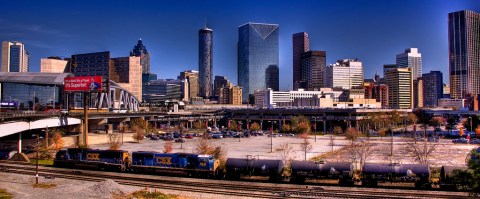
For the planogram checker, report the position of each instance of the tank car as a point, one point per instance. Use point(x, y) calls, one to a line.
point(381, 172)
point(111, 160)
point(237, 167)
point(302, 170)
point(184, 163)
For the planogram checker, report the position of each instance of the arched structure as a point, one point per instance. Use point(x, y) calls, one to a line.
point(117, 99)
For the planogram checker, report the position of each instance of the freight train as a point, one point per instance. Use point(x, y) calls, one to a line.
point(205, 166)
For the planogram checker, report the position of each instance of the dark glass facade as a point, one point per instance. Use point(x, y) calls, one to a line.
point(432, 88)
point(93, 64)
point(313, 69)
point(140, 50)
point(464, 53)
point(162, 90)
point(24, 95)
point(205, 61)
point(14, 58)
point(271, 77)
point(257, 49)
point(301, 44)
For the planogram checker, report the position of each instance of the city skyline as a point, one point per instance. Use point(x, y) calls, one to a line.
point(174, 49)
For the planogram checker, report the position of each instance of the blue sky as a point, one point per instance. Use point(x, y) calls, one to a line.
point(372, 30)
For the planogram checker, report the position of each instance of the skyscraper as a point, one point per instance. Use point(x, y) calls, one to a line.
point(313, 68)
point(432, 88)
point(400, 88)
point(464, 53)
point(218, 83)
point(205, 61)
point(191, 76)
point(141, 51)
point(257, 49)
point(15, 58)
point(272, 77)
point(346, 73)
point(411, 58)
point(301, 44)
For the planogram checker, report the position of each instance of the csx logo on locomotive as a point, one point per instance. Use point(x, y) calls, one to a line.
point(164, 160)
point(93, 156)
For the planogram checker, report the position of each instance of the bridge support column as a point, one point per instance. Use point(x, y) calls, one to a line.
point(324, 124)
point(20, 142)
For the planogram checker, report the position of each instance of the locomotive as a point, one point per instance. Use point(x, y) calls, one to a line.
point(184, 163)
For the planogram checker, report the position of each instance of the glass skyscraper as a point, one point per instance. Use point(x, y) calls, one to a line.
point(300, 44)
point(205, 61)
point(464, 53)
point(257, 49)
point(272, 77)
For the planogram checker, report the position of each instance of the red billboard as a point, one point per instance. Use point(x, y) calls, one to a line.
point(86, 83)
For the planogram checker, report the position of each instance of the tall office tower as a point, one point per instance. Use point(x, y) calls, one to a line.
point(387, 67)
point(313, 69)
point(301, 44)
point(53, 65)
point(346, 73)
point(400, 87)
point(218, 83)
point(15, 58)
point(464, 53)
point(411, 58)
point(418, 96)
point(432, 88)
point(191, 76)
point(205, 61)
point(257, 50)
point(141, 51)
point(272, 77)
point(129, 73)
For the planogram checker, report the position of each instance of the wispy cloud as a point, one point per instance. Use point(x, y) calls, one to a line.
point(9, 28)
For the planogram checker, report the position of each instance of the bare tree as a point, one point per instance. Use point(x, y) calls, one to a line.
point(421, 151)
point(305, 146)
point(331, 141)
point(361, 151)
point(114, 141)
point(286, 152)
point(168, 147)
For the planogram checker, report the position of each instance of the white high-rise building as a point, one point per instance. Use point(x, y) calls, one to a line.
point(411, 58)
point(15, 58)
point(346, 73)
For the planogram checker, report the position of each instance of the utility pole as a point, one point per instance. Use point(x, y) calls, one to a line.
point(315, 126)
point(36, 164)
point(85, 123)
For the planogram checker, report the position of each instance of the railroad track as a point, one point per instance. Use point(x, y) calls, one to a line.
point(222, 187)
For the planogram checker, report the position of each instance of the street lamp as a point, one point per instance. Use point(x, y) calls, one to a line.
point(271, 135)
point(36, 152)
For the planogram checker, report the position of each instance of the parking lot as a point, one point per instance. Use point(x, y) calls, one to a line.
point(239, 148)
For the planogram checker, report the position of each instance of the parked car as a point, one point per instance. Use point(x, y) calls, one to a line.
point(217, 136)
point(189, 136)
point(474, 141)
point(180, 140)
point(432, 139)
point(154, 137)
point(460, 140)
point(168, 138)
